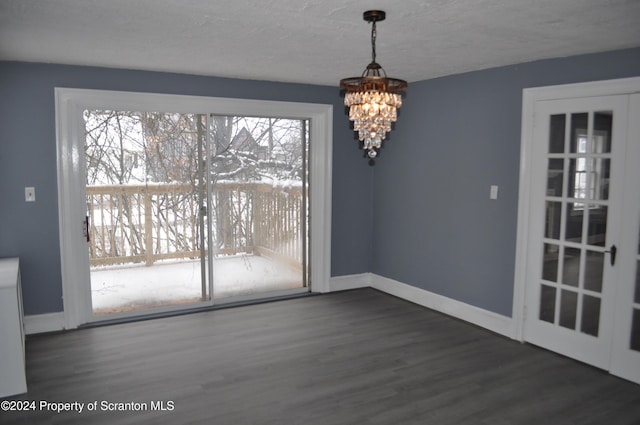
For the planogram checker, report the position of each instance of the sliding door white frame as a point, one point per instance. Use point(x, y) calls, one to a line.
point(70, 104)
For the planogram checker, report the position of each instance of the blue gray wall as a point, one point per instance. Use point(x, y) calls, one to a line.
point(421, 215)
point(434, 225)
point(28, 158)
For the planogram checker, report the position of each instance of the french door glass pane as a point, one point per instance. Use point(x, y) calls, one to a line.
point(637, 291)
point(571, 269)
point(557, 133)
point(597, 230)
point(595, 268)
point(635, 330)
point(547, 303)
point(599, 178)
point(634, 342)
point(550, 262)
point(568, 309)
point(590, 315)
point(578, 181)
point(552, 224)
point(573, 224)
point(555, 176)
point(579, 128)
point(602, 132)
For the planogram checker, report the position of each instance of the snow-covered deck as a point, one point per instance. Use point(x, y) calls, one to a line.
point(125, 288)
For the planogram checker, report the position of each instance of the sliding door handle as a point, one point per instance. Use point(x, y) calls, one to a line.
point(613, 251)
point(86, 229)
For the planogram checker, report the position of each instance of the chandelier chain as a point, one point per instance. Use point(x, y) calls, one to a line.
point(373, 41)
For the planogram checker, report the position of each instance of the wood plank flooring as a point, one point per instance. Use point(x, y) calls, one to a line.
point(356, 357)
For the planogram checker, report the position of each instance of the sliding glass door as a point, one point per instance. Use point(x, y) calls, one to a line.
point(174, 202)
point(146, 221)
point(258, 171)
point(171, 196)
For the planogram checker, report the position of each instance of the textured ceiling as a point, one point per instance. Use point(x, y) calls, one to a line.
point(316, 42)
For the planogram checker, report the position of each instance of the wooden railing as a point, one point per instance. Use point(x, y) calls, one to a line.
point(147, 223)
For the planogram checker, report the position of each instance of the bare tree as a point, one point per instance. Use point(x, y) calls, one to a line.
point(125, 147)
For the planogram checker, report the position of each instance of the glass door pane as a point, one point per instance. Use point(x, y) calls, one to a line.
point(634, 338)
point(259, 209)
point(145, 209)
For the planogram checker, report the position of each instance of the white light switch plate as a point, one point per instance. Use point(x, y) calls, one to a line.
point(30, 194)
point(493, 193)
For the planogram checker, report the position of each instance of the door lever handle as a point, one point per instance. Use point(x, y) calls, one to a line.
point(613, 251)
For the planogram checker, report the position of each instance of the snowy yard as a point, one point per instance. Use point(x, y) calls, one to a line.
point(124, 288)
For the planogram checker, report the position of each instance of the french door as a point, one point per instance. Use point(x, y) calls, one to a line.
point(582, 287)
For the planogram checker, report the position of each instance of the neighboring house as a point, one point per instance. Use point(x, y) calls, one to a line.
point(244, 142)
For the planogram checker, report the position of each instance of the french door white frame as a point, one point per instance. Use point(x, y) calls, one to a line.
point(630, 200)
point(70, 104)
point(529, 98)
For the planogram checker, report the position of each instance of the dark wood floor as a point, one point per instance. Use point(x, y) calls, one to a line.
point(356, 357)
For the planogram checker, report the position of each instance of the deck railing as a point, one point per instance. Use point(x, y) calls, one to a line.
point(151, 222)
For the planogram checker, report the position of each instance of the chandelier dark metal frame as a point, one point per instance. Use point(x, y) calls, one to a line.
point(373, 98)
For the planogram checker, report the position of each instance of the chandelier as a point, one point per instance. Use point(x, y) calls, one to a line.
point(373, 98)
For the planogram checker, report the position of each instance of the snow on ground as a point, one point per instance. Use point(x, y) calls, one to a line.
point(131, 287)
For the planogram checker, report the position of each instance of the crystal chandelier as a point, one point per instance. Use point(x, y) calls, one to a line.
point(373, 98)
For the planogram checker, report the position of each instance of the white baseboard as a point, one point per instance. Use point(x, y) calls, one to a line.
point(353, 281)
point(42, 323)
point(494, 322)
point(503, 325)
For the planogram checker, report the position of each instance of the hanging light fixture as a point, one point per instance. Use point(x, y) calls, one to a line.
point(373, 98)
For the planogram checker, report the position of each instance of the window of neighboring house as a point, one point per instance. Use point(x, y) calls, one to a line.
point(587, 176)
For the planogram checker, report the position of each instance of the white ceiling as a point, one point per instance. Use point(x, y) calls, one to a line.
point(316, 42)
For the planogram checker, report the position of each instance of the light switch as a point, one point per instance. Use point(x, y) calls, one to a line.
point(493, 193)
point(30, 194)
